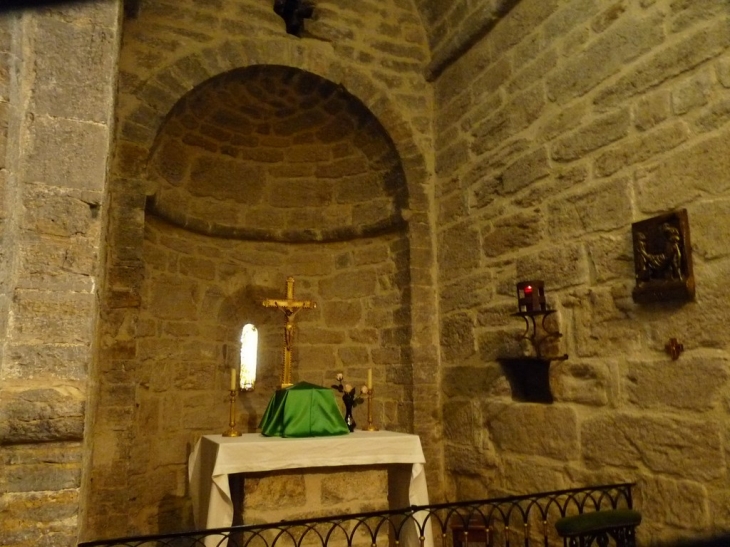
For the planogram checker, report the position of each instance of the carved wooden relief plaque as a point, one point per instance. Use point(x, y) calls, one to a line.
point(663, 258)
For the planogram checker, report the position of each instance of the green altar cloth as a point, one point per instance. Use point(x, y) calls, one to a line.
point(303, 410)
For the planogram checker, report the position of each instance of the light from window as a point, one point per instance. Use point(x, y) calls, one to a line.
point(249, 349)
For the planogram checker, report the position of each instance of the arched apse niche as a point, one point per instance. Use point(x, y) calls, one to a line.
point(273, 153)
point(265, 172)
point(261, 173)
point(146, 414)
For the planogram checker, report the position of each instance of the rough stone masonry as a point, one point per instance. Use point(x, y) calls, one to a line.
point(408, 161)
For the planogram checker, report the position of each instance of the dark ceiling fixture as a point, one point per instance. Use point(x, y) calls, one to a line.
point(294, 12)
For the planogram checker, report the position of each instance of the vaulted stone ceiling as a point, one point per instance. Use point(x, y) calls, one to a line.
point(305, 158)
point(453, 27)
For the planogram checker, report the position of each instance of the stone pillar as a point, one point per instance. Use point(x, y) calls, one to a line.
point(57, 81)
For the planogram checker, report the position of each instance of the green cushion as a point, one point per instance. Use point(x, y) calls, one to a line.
point(597, 521)
point(303, 410)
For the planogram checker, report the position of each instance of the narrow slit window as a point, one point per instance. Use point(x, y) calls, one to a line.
point(249, 350)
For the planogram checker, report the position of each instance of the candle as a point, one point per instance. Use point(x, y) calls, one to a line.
point(233, 379)
point(370, 378)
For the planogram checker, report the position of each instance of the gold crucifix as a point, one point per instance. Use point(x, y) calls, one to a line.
point(289, 306)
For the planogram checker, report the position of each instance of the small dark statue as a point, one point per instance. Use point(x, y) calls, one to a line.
point(294, 12)
point(351, 400)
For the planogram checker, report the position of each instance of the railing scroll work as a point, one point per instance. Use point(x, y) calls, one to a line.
point(514, 521)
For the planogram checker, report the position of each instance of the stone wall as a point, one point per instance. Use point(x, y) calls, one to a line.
point(197, 294)
point(56, 102)
point(291, 495)
point(176, 297)
point(565, 124)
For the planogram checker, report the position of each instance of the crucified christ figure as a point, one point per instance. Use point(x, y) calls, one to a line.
point(290, 307)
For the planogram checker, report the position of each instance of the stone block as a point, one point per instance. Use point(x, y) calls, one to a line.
point(35, 516)
point(355, 485)
point(692, 93)
point(719, 507)
point(466, 460)
point(701, 168)
point(104, 13)
point(265, 492)
point(458, 250)
point(457, 337)
point(67, 153)
point(600, 207)
point(568, 17)
point(226, 179)
point(172, 161)
point(723, 72)
point(512, 233)
point(359, 188)
point(686, 14)
point(48, 318)
point(525, 170)
point(710, 238)
point(348, 285)
point(626, 40)
point(474, 380)
point(57, 213)
point(74, 68)
point(526, 107)
point(353, 356)
point(550, 431)
point(42, 415)
point(695, 383)
point(565, 120)
point(497, 315)
point(198, 268)
point(560, 266)
point(593, 136)
point(608, 16)
point(714, 116)
point(689, 448)
point(677, 58)
point(523, 18)
point(466, 293)
point(633, 151)
point(63, 362)
point(611, 257)
point(58, 265)
point(671, 502)
point(312, 193)
point(43, 467)
point(584, 382)
point(521, 475)
point(491, 131)
point(175, 297)
point(535, 71)
point(651, 109)
point(375, 214)
point(603, 324)
point(462, 422)
point(345, 313)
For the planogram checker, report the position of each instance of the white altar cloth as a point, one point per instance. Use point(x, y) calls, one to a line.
point(215, 457)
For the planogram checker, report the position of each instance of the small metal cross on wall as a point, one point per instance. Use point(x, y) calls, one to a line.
point(289, 306)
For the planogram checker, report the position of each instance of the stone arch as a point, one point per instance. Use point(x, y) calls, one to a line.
point(160, 93)
point(141, 115)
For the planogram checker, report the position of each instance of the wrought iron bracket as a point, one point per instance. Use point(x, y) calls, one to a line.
point(294, 12)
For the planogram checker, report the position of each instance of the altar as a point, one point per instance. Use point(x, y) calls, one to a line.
point(215, 457)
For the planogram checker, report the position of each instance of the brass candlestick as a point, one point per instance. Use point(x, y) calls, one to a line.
point(232, 431)
point(371, 426)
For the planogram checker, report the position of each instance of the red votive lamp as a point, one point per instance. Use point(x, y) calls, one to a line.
point(531, 296)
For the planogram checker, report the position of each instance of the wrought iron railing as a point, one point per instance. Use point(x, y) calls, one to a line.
point(514, 521)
